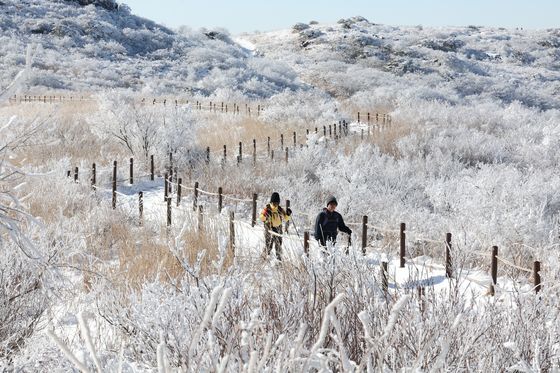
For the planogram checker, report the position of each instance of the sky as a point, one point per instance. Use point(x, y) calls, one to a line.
point(262, 15)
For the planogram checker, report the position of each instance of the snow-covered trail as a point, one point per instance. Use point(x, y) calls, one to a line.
point(420, 272)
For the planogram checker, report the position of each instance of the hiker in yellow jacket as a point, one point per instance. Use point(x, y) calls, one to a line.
point(272, 216)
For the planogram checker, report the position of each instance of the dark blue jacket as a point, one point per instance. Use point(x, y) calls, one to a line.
point(327, 225)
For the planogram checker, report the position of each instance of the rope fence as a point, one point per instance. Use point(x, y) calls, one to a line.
point(221, 107)
point(447, 243)
point(172, 182)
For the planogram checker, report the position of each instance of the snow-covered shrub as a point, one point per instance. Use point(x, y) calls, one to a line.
point(303, 108)
point(22, 296)
point(300, 27)
point(107, 4)
point(145, 129)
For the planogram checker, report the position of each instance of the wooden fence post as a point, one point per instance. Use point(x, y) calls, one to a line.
point(324, 131)
point(195, 197)
point(200, 219)
point(207, 155)
point(494, 270)
point(268, 145)
point(169, 211)
point(240, 151)
point(114, 199)
point(330, 131)
point(140, 207)
point(384, 280)
point(179, 185)
point(272, 155)
point(93, 176)
point(225, 153)
point(364, 234)
point(76, 172)
point(334, 130)
point(254, 152)
point(367, 118)
point(165, 187)
point(254, 212)
point(171, 165)
point(288, 222)
point(152, 167)
point(281, 141)
point(448, 262)
point(421, 301)
point(220, 199)
point(286, 154)
point(537, 276)
point(170, 183)
point(358, 117)
point(306, 243)
point(402, 253)
point(295, 141)
point(232, 232)
point(131, 171)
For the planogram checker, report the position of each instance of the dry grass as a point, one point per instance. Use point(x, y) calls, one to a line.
point(386, 138)
point(204, 240)
point(243, 130)
point(149, 258)
point(63, 132)
point(146, 259)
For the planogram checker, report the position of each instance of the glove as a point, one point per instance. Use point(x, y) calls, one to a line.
point(288, 211)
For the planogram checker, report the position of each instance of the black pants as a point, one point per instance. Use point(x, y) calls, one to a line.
point(273, 240)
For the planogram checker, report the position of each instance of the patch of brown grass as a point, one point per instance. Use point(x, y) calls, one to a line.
point(146, 259)
point(149, 258)
point(243, 130)
point(387, 136)
point(63, 132)
point(196, 241)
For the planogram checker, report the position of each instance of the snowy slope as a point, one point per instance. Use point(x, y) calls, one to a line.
point(461, 64)
point(102, 45)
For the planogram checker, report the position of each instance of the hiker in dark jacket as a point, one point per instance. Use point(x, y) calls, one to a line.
point(272, 216)
point(328, 223)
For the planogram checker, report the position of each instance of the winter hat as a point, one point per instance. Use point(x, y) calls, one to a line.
point(275, 198)
point(331, 199)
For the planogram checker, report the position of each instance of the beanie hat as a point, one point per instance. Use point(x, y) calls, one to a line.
point(275, 198)
point(331, 199)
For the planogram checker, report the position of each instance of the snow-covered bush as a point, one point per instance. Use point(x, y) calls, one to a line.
point(22, 296)
point(301, 108)
point(145, 129)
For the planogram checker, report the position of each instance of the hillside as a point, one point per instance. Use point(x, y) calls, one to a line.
point(374, 63)
point(101, 45)
point(136, 234)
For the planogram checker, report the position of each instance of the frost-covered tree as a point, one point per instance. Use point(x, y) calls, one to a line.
point(145, 129)
point(22, 299)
